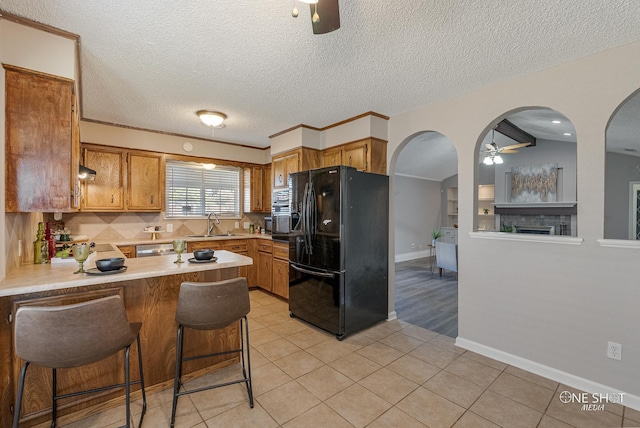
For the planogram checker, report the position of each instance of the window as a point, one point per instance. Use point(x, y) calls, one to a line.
point(193, 191)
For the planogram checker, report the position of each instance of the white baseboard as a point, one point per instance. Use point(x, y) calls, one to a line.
point(392, 316)
point(405, 257)
point(629, 400)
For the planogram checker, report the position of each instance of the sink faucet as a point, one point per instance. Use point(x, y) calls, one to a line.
point(209, 225)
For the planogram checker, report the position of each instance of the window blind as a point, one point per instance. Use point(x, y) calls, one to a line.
point(193, 191)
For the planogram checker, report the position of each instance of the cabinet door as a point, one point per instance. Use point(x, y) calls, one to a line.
point(332, 157)
point(106, 192)
point(145, 182)
point(266, 189)
point(129, 251)
point(281, 277)
point(203, 245)
point(293, 165)
point(355, 155)
point(279, 171)
point(256, 189)
point(264, 270)
point(39, 172)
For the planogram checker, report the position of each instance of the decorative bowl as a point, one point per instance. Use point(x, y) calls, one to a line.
point(203, 254)
point(113, 263)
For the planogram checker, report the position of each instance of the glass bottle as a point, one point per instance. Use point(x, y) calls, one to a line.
point(40, 247)
point(51, 243)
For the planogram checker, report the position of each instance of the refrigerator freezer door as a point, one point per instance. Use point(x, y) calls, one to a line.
point(317, 298)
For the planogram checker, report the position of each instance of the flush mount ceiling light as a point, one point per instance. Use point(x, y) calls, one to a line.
point(213, 119)
point(490, 160)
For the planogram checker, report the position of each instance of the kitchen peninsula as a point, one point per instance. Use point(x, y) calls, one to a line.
point(149, 287)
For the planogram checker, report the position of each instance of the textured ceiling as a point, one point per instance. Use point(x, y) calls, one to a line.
point(152, 64)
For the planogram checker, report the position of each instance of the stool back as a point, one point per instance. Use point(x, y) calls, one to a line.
point(72, 335)
point(212, 305)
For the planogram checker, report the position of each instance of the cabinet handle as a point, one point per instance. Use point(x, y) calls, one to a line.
point(152, 199)
point(349, 160)
point(111, 198)
point(280, 180)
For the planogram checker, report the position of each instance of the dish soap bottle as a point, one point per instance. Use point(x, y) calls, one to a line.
point(40, 247)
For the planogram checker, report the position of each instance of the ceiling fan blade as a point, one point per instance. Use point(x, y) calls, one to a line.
point(516, 146)
point(508, 151)
point(490, 147)
point(329, 13)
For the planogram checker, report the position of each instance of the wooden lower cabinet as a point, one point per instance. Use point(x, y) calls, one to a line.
point(280, 285)
point(239, 246)
point(264, 264)
point(129, 251)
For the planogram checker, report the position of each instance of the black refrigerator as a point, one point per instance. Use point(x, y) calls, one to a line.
point(339, 249)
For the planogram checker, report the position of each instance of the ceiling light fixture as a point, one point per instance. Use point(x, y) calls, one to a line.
point(490, 160)
point(213, 119)
point(568, 134)
point(556, 121)
point(315, 18)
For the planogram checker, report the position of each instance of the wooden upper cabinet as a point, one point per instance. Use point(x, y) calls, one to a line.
point(41, 169)
point(355, 155)
point(279, 170)
point(106, 191)
point(257, 188)
point(332, 157)
point(266, 188)
point(301, 159)
point(125, 180)
point(145, 178)
point(293, 165)
point(369, 155)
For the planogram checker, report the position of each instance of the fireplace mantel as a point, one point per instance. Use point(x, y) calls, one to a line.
point(537, 208)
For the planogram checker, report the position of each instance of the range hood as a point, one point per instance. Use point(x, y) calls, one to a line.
point(85, 173)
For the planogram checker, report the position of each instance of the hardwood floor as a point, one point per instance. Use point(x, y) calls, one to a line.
point(426, 299)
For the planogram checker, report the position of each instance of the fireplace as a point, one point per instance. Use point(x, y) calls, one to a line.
point(536, 230)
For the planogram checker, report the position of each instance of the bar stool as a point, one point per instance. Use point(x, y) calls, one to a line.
point(212, 306)
point(76, 335)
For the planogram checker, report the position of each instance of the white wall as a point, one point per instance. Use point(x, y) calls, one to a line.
point(621, 170)
point(417, 212)
point(549, 307)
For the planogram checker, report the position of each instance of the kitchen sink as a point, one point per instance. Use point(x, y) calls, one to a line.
point(226, 234)
point(212, 236)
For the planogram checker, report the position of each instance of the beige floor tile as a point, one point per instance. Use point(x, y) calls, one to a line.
point(419, 332)
point(413, 369)
point(355, 366)
point(549, 422)
point(388, 385)
point(358, 405)
point(186, 415)
point(505, 412)
point(628, 423)
point(522, 391)
point(448, 343)
point(498, 365)
point(401, 342)
point(298, 364)
point(242, 417)
point(268, 377)
point(523, 374)
point(396, 324)
point(307, 338)
point(454, 388)
point(430, 408)
point(434, 355)
point(257, 312)
point(325, 382)
point(277, 306)
point(254, 325)
point(215, 401)
point(289, 327)
point(357, 341)
point(471, 420)
point(395, 417)
point(378, 331)
point(116, 415)
point(287, 401)
point(632, 414)
point(380, 353)
point(272, 319)
point(257, 359)
point(471, 370)
point(328, 351)
point(572, 413)
point(264, 335)
point(277, 349)
point(320, 416)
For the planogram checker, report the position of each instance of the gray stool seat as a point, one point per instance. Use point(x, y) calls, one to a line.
point(212, 306)
point(75, 335)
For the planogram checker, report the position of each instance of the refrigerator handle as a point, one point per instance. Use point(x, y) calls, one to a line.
point(310, 272)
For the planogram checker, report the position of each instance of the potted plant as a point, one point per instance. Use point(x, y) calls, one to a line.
point(435, 234)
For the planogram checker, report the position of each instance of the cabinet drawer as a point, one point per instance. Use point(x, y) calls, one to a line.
point(281, 251)
point(236, 247)
point(265, 247)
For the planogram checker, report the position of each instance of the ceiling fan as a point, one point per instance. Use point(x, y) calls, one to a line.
point(493, 149)
point(325, 15)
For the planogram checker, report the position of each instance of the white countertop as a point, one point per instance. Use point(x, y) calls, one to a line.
point(45, 277)
point(169, 239)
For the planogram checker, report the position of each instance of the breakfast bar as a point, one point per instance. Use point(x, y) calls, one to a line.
point(149, 288)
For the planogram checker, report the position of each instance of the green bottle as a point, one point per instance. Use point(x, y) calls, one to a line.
point(40, 247)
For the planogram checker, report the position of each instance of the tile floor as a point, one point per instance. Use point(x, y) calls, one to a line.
point(392, 375)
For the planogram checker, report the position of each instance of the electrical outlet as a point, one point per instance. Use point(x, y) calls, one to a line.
point(247, 224)
point(614, 350)
point(169, 228)
point(237, 225)
point(19, 247)
point(413, 245)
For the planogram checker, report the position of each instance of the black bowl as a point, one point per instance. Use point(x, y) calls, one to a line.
point(203, 254)
point(113, 263)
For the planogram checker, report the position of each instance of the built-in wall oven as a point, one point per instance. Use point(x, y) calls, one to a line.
point(281, 222)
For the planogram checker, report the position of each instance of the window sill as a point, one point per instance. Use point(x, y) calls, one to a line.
point(620, 243)
point(546, 239)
